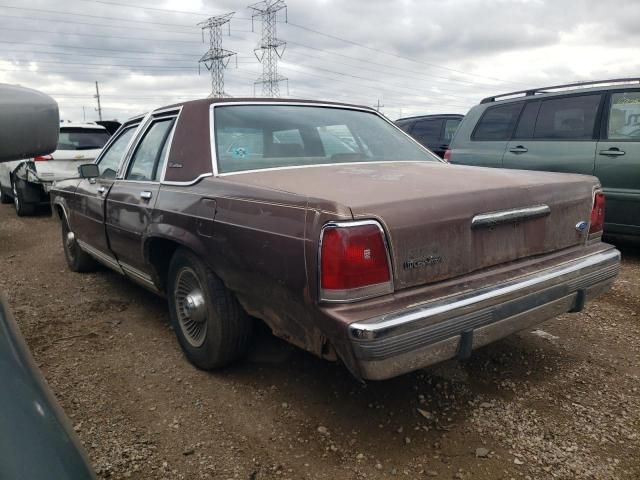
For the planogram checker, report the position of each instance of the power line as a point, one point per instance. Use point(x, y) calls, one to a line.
point(334, 37)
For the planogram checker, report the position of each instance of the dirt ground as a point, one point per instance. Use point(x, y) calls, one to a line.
point(559, 403)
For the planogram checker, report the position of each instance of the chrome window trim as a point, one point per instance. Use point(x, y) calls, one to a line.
point(143, 129)
point(187, 183)
point(369, 291)
point(500, 217)
point(212, 136)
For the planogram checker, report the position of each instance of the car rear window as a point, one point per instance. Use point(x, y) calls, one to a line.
point(78, 138)
point(256, 137)
point(497, 122)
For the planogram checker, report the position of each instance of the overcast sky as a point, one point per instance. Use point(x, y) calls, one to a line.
point(414, 57)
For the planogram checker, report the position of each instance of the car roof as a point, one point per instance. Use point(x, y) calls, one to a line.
point(435, 115)
point(251, 100)
point(566, 89)
point(89, 126)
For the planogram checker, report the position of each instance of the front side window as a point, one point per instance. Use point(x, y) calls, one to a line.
point(78, 138)
point(146, 161)
point(571, 118)
point(497, 122)
point(109, 162)
point(624, 116)
point(256, 137)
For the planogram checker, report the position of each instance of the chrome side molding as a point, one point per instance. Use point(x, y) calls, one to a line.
point(491, 219)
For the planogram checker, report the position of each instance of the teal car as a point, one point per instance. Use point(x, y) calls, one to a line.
point(589, 127)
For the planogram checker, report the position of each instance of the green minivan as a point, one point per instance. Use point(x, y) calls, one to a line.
point(589, 127)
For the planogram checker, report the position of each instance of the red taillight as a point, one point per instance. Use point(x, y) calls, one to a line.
point(597, 213)
point(447, 156)
point(42, 158)
point(354, 257)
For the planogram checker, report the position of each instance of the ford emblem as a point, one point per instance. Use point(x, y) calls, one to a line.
point(582, 226)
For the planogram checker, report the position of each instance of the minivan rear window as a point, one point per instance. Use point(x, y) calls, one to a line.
point(567, 118)
point(78, 138)
point(497, 122)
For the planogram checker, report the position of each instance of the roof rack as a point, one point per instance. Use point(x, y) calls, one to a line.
point(534, 91)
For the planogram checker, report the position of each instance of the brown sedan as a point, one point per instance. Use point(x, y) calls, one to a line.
point(331, 225)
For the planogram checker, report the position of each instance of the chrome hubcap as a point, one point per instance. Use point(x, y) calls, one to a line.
point(71, 238)
point(191, 307)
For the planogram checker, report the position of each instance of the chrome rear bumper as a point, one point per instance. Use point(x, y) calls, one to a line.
point(444, 328)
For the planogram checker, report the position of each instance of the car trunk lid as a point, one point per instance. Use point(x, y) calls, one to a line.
point(428, 211)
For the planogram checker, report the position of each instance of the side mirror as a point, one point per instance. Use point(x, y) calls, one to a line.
point(89, 170)
point(29, 123)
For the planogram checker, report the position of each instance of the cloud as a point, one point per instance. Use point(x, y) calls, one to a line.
point(413, 56)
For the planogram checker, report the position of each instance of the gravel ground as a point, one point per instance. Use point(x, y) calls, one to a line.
point(562, 402)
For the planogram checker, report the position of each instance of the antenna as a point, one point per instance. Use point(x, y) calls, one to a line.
point(217, 58)
point(270, 48)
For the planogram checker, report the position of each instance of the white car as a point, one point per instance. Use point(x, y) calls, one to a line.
point(26, 182)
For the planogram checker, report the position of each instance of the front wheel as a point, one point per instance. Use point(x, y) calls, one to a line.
point(211, 326)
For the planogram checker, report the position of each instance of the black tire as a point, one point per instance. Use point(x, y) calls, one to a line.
point(23, 209)
point(216, 330)
point(4, 198)
point(77, 259)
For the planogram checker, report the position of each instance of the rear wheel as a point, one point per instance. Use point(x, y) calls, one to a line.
point(23, 208)
point(4, 198)
point(211, 326)
point(77, 259)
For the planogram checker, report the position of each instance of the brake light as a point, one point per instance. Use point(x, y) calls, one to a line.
point(42, 158)
point(354, 261)
point(597, 213)
point(447, 155)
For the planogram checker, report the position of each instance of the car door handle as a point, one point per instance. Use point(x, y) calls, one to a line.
point(519, 149)
point(101, 190)
point(146, 195)
point(613, 152)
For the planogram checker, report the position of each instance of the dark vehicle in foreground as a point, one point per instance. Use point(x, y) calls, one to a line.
point(591, 128)
point(433, 131)
point(341, 233)
point(36, 441)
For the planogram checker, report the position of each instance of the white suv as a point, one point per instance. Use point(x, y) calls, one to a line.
point(26, 182)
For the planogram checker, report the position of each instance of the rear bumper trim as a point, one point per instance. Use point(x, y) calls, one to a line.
point(399, 342)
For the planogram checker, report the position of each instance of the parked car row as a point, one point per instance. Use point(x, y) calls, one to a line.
point(26, 182)
point(336, 229)
point(591, 128)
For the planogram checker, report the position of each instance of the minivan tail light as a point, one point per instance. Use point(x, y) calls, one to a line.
point(354, 261)
point(42, 158)
point(597, 214)
point(447, 155)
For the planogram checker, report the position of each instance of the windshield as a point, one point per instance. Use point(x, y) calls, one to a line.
point(255, 137)
point(82, 138)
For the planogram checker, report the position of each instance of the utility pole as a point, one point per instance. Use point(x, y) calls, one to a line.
point(97, 96)
point(84, 115)
point(217, 58)
point(378, 106)
point(270, 48)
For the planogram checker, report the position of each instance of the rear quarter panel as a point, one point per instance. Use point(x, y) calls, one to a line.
point(466, 151)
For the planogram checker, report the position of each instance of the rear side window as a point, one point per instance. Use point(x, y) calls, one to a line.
point(427, 131)
point(497, 122)
point(567, 118)
point(527, 123)
point(146, 161)
point(77, 138)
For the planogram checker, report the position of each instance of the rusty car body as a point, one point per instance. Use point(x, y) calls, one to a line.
point(335, 228)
